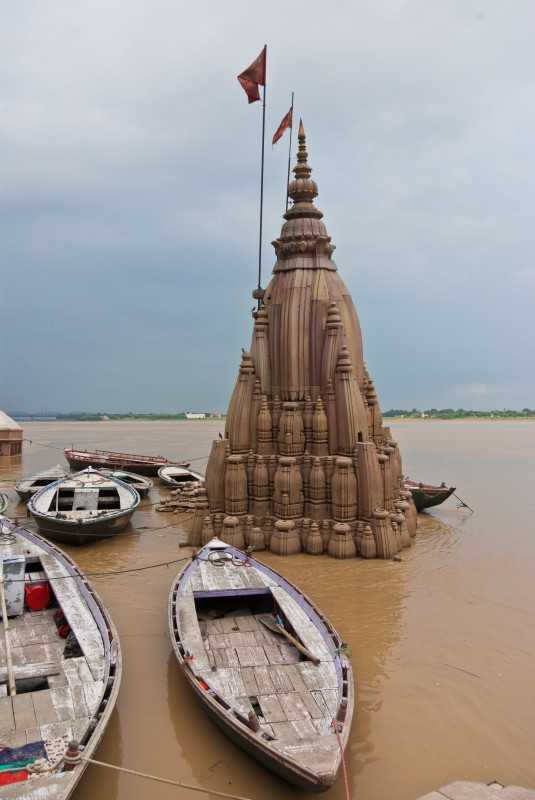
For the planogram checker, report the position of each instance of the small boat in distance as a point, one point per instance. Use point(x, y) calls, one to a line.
point(60, 667)
point(265, 663)
point(28, 486)
point(83, 507)
point(130, 462)
point(141, 484)
point(179, 476)
point(425, 495)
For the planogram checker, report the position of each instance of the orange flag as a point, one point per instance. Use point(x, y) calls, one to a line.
point(285, 124)
point(254, 76)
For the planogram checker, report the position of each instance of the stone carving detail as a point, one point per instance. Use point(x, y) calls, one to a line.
point(306, 459)
point(288, 489)
point(236, 500)
point(341, 544)
point(285, 539)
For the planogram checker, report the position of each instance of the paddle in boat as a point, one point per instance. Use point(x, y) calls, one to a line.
point(84, 506)
point(425, 495)
point(60, 667)
point(179, 476)
point(144, 465)
point(267, 665)
point(30, 485)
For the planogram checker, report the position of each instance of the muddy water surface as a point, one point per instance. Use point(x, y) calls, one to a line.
point(443, 643)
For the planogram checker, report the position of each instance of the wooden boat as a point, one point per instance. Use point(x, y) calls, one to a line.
point(141, 484)
point(425, 495)
point(179, 476)
point(144, 465)
point(28, 486)
point(240, 633)
point(83, 507)
point(52, 689)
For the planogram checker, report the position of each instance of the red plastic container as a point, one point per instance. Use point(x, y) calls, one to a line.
point(13, 777)
point(37, 596)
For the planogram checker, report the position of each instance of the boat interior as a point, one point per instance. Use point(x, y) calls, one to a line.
point(229, 639)
point(86, 495)
point(53, 661)
point(66, 499)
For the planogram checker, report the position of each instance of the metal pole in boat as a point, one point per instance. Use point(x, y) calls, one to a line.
point(5, 621)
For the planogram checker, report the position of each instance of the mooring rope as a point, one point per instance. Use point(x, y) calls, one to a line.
point(105, 573)
point(168, 781)
point(334, 725)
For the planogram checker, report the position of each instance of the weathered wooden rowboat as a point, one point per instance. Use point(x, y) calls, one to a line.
point(84, 506)
point(30, 485)
point(179, 476)
point(52, 689)
point(144, 465)
point(141, 484)
point(240, 631)
point(425, 495)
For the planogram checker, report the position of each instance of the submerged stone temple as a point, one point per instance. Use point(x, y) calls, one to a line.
point(306, 462)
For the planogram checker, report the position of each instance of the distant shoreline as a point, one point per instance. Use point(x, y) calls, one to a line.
point(519, 418)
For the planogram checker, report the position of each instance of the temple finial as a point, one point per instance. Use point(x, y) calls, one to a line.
point(302, 189)
point(302, 170)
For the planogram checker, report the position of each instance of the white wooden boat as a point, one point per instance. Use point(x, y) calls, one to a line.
point(179, 476)
point(52, 689)
point(291, 711)
point(30, 485)
point(141, 484)
point(84, 506)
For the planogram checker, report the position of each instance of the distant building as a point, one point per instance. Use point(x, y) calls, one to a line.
point(10, 442)
point(195, 415)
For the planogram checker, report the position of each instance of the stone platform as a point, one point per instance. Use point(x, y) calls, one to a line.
point(465, 790)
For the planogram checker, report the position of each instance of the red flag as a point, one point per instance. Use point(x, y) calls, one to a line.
point(286, 123)
point(254, 76)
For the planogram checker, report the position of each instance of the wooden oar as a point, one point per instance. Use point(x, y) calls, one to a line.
point(270, 623)
point(10, 674)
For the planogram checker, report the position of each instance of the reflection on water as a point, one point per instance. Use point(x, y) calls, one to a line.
point(443, 642)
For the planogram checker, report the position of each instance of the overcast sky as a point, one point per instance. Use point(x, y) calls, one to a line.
point(129, 164)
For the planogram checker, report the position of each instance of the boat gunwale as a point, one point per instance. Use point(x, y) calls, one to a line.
point(305, 778)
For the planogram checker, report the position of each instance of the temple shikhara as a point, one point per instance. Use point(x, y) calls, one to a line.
point(306, 463)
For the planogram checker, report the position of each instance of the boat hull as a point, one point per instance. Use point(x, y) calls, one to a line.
point(116, 461)
point(193, 477)
point(81, 533)
point(427, 497)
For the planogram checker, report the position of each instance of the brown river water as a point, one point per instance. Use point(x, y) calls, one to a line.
point(443, 643)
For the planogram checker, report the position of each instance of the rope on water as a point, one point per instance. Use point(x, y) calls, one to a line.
point(334, 725)
point(106, 573)
point(168, 781)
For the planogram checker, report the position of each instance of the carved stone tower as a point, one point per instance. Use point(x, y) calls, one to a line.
point(306, 458)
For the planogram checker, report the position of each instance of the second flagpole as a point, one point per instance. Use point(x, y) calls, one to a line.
point(262, 180)
point(289, 154)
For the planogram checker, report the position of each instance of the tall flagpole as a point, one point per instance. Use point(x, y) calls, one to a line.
point(289, 154)
point(262, 179)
